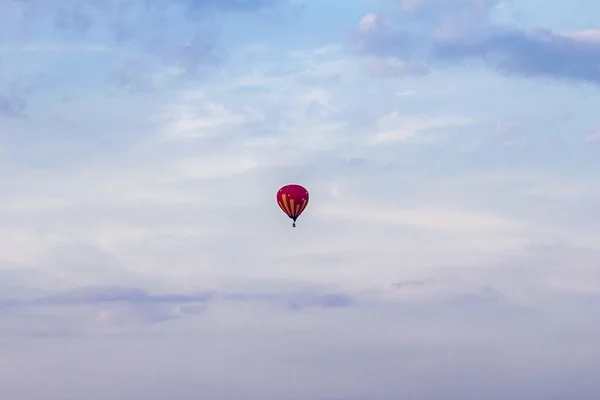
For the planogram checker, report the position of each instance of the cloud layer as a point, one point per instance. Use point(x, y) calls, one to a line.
point(449, 249)
point(460, 31)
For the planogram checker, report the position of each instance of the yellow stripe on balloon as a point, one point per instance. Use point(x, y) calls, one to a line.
point(285, 204)
point(281, 206)
point(303, 206)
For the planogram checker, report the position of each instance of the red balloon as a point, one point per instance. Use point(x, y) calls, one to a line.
point(292, 200)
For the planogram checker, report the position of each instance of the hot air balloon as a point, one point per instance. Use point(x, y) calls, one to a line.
point(292, 199)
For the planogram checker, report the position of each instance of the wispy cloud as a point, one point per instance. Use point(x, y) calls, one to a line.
point(56, 48)
point(397, 128)
point(12, 105)
point(123, 306)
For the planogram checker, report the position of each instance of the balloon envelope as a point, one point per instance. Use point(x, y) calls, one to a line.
point(292, 200)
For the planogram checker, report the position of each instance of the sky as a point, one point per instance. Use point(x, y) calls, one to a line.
point(450, 249)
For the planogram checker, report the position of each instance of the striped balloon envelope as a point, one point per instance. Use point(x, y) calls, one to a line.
point(292, 200)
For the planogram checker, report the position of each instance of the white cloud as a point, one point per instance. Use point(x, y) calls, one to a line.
point(395, 127)
point(371, 22)
point(194, 118)
point(431, 218)
point(395, 67)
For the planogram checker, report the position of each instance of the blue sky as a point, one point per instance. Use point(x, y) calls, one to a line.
point(450, 248)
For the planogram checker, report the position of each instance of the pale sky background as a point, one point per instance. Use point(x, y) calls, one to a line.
point(450, 249)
